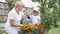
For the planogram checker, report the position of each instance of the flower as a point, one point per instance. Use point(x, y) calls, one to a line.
point(28, 27)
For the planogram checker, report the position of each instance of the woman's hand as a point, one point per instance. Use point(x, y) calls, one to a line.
point(24, 16)
point(21, 25)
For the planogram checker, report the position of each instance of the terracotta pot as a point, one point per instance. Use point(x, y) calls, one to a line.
point(41, 32)
point(45, 27)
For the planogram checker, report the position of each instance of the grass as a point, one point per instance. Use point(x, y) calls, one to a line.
point(55, 30)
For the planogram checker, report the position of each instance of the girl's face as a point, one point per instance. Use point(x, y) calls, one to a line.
point(35, 13)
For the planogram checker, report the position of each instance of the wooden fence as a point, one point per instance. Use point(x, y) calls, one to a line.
point(3, 11)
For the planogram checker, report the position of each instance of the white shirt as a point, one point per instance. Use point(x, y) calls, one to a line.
point(35, 19)
point(16, 17)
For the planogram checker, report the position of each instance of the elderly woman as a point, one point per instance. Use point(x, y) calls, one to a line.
point(14, 17)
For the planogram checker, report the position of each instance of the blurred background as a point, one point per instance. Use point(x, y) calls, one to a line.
point(50, 13)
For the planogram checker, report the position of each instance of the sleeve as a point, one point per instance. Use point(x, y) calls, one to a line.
point(39, 17)
point(11, 16)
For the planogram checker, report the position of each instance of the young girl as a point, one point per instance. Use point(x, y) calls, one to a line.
point(35, 18)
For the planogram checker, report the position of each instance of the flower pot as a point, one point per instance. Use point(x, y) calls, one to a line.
point(41, 32)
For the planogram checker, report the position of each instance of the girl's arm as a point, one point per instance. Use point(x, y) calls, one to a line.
point(39, 22)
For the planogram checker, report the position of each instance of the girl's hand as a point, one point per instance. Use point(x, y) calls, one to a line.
point(37, 24)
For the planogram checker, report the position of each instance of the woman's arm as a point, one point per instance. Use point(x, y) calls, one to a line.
point(13, 24)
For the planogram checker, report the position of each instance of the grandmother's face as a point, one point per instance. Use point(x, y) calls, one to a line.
point(19, 7)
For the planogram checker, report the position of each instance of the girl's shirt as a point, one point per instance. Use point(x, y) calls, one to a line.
point(35, 19)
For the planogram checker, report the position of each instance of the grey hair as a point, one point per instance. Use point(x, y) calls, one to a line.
point(19, 3)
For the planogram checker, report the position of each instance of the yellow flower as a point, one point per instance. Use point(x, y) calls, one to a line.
point(35, 27)
point(28, 27)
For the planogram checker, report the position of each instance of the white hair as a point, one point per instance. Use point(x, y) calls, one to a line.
point(19, 3)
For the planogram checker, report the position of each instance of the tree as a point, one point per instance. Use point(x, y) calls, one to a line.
point(48, 17)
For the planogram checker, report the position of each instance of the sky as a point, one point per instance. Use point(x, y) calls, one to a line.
point(2, 0)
